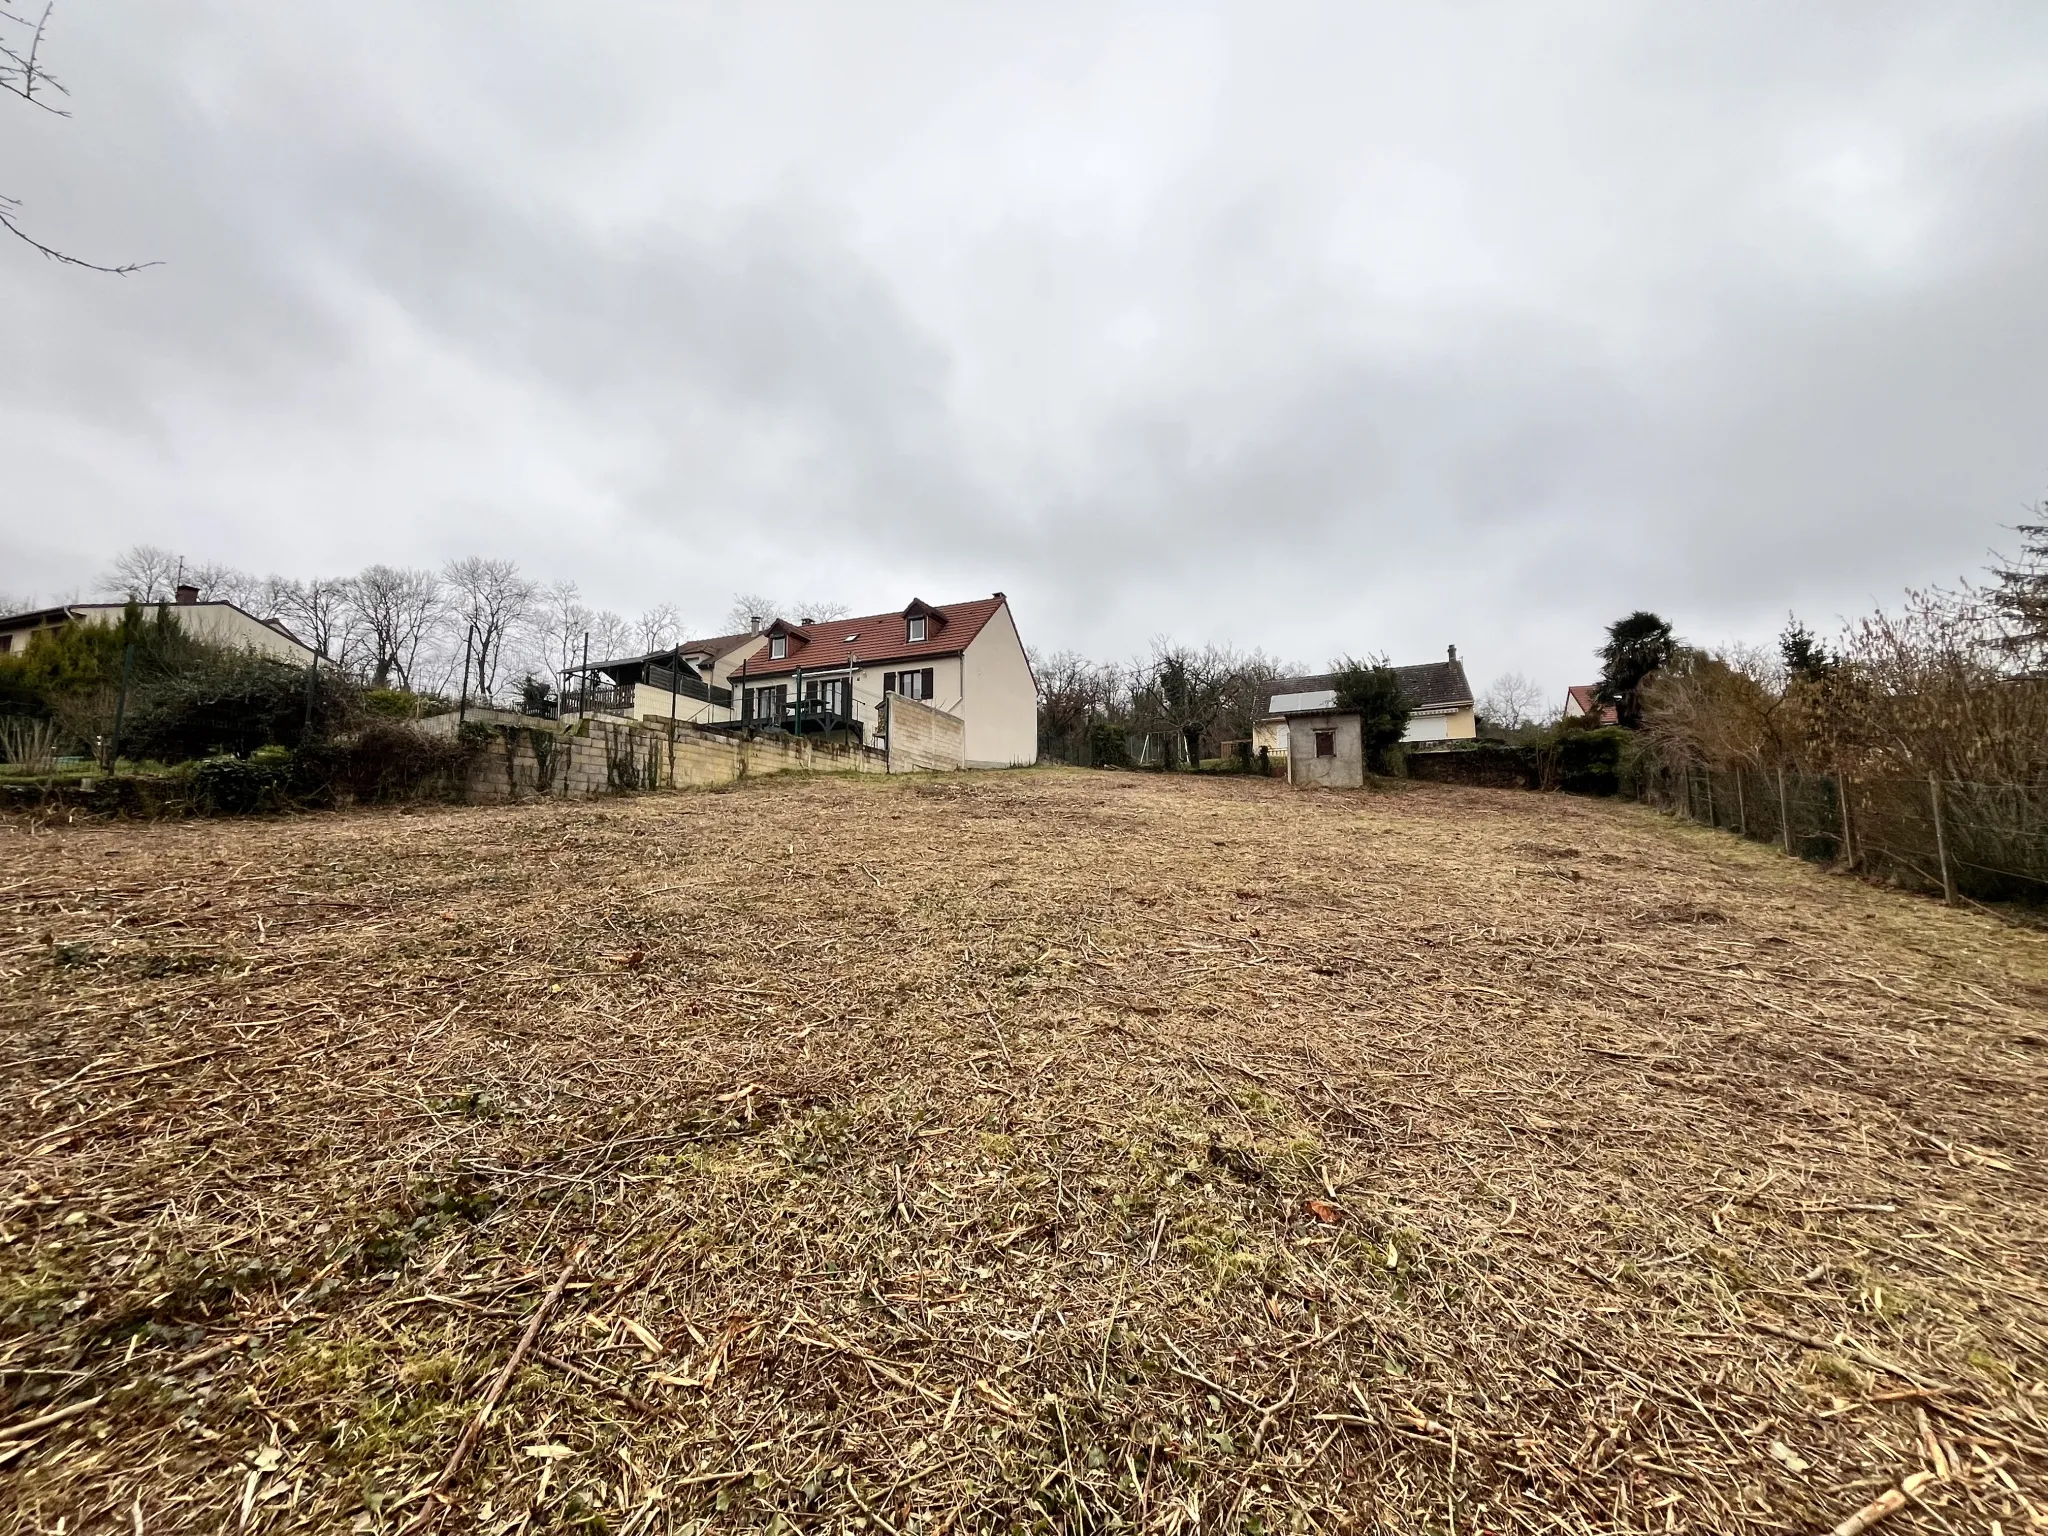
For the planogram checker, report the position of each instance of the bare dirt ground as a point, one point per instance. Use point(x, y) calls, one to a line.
point(1036, 1151)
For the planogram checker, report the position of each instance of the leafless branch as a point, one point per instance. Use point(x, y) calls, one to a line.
point(10, 206)
point(22, 74)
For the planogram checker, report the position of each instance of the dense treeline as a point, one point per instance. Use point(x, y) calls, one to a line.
point(395, 643)
point(410, 628)
point(1952, 684)
point(1173, 708)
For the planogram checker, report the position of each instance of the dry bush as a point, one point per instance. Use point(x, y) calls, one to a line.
point(28, 743)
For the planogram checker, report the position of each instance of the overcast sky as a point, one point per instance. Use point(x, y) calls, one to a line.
point(1323, 328)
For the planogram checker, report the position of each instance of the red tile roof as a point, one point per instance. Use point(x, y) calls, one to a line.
point(1585, 698)
point(879, 639)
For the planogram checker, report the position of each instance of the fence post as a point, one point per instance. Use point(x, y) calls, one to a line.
point(1784, 811)
point(1741, 805)
point(1842, 794)
point(1707, 773)
point(1948, 879)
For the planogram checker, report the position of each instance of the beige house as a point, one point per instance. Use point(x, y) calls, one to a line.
point(215, 623)
point(1439, 697)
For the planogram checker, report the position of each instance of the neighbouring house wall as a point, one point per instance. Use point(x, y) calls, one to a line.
point(220, 624)
point(726, 667)
point(1344, 771)
point(999, 697)
point(652, 704)
point(1270, 733)
point(1451, 725)
point(923, 739)
point(609, 756)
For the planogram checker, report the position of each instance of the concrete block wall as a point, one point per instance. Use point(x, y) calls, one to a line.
point(923, 739)
point(607, 757)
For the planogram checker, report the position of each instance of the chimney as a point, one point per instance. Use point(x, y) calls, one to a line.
point(1453, 652)
point(753, 623)
point(187, 594)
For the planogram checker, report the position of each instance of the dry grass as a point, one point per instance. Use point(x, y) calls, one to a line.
point(1042, 1151)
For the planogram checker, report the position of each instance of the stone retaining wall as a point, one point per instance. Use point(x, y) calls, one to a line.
point(606, 757)
point(922, 739)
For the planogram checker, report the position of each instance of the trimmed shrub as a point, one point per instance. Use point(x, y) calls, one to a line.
point(1589, 761)
point(232, 786)
point(221, 703)
point(1108, 745)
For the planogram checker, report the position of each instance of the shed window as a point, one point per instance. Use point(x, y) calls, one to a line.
point(1326, 743)
point(917, 627)
point(778, 647)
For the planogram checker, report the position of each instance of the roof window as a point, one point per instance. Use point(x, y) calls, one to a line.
point(918, 623)
point(778, 647)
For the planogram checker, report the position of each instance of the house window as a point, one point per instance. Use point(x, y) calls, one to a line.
point(778, 647)
point(917, 628)
point(764, 703)
point(1326, 743)
point(912, 685)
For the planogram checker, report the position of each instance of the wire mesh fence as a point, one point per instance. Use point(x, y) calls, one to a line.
point(1951, 838)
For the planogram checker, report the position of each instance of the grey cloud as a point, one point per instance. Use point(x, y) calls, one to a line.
point(1324, 328)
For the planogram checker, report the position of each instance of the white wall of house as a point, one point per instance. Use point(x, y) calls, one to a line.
point(725, 668)
point(221, 624)
point(652, 704)
point(999, 697)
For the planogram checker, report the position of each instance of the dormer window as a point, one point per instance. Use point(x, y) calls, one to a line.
point(917, 628)
point(778, 647)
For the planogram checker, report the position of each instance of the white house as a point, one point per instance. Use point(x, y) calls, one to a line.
point(216, 623)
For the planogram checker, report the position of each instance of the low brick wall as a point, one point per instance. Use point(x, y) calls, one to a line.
point(923, 739)
point(607, 757)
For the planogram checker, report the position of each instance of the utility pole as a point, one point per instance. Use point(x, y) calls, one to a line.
point(675, 681)
point(462, 709)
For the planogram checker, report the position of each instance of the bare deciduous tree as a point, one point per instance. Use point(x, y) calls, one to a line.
point(611, 634)
point(564, 621)
point(145, 573)
point(1073, 693)
point(319, 611)
point(221, 583)
point(1511, 701)
point(659, 627)
point(493, 603)
point(22, 73)
point(749, 611)
point(397, 612)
